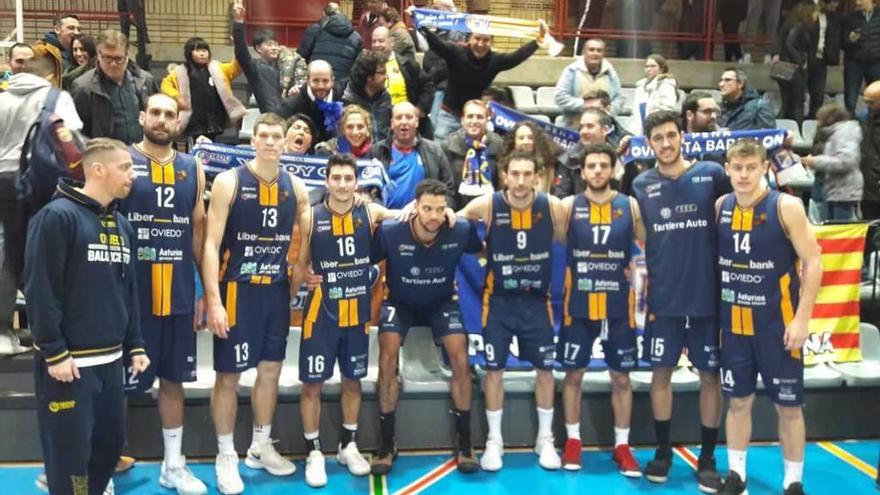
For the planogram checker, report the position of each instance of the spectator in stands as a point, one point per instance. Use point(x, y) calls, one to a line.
point(354, 134)
point(334, 40)
point(17, 55)
point(366, 88)
point(732, 13)
point(600, 100)
point(109, 97)
point(498, 94)
point(369, 21)
point(635, 15)
point(861, 50)
point(699, 112)
point(826, 32)
point(300, 134)
point(85, 53)
point(840, 137)
point(133, 10)
point(476, 68)
point(203, 90)
point(692, 20)
point(434, 65)
point(656, 91)
point(319, 98)
point(767, 11)
point(406, 80)
point(587, 73)
point(472, 153)
point(409, 159)
point(276, 73)
point(870, 164)
point(20, 106)
point(742, 108)
point(65, 27)
point(528, 137)
point(794, 44)
point(402, 41)
point(594, 129)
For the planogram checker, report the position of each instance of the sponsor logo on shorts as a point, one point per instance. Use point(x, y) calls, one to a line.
point(58, 406)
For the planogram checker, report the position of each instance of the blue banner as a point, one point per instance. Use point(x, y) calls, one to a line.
point(505, 118)
point(696, 144)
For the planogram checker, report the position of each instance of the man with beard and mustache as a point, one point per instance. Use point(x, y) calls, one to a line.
point(165, 208)
point(319, 98)
point(599, 302)
point(699, 112)
point(422, 255)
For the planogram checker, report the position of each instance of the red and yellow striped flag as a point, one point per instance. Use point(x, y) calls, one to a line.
point(834, 326)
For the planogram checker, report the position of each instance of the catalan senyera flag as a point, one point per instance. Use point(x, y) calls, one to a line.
point(834, 326)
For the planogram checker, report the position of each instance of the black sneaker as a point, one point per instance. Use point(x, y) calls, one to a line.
point(708, 477)
point(383, 461)
point(467, 461)
point(657, 470)
point(794, 489)
point(733, 485)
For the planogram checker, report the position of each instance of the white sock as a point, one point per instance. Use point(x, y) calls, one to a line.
point(225, 445)
point(794, 473)
point(621, 436)
point(736, 462)
point(573, 431)
point(173, 438)
point(494, 420)
point(262, 435)
point(545, 423)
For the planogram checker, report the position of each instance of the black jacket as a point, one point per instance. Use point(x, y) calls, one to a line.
point(79, 279)
point(93, 103)
point(867, 48)
point(335, 40)
point(263, 78)
point(419, 92)
point(796, 43)
point(831, 51)
point(433, 159)
point(434, 65)
point(871, 156)
point(67, 60)
point(379, 107)
point(302, 103)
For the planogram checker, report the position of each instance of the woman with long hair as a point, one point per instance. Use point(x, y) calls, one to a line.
point(85, 53)
point(656, 91)
point(354, 134)
point(793, 45)
point(527, 136)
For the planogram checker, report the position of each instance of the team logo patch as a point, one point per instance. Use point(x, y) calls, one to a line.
point(760, 219)
point(666, 213)
point(415, 271)
point(181, 175)
point(617, 213)
point(58, 406)
point(283, 195)
point(538, 216)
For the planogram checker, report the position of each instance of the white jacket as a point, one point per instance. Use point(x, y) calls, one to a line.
point(657, 94)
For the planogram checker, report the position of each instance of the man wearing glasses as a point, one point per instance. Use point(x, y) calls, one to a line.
point(742, 108)
point(110, 97)
point(699, 113)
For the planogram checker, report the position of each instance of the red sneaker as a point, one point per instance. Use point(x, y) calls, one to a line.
point(571, 457)
point(629, 466)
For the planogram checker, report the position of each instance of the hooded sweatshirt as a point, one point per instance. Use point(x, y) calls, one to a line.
point(20, 106)
point(79, 281)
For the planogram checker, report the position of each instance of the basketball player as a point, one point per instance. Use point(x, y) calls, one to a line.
point(678, 225)
point(250, 222)
point(166, 210)
point(422, 255)
point(599, 301)
point(521, 225)
point(765, 309)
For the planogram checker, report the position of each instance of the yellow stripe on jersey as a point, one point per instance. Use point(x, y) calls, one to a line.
point(600, 214)
point(343, 225)
point(521, 219)
point(312, 314)
point(162, 174)
point(742, 219)
point(161, 288)
point(231, 303)
point(566, 315)
point(785, 305)
point(269, 194)
point(598, 305)
point(632, 308)
point(487, 292)
point(742, 322)
point(348, 312)
point(549, 311)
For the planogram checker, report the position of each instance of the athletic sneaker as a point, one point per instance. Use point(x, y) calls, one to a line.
point(382, 461)
point(627, 464)
point(316, 473)
point(548, 458)
point(492, 459)
point(794, 489)
point(733, 485)
point(466, 462)
point(658, 469)
point(266, 457)
point(42, 483)
point(571, 456)
point(228, 480)
point(111, 489)
point(708, 477)
point(350, 456)
point(180, 478)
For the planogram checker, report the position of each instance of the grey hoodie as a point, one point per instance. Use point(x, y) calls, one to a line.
point(20, 106)
point(840, 161)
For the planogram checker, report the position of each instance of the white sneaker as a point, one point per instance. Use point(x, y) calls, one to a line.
point(111, 489)
point(228, 480)
point(747, 58)
point(350, 456)
point(316, 474)
point(492, 456)
point(266, 457)
point(180, 478)
point(767, 59)
point(42, 483)
point(548, 458)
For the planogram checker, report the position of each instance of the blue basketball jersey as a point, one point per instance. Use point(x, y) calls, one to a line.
point(520, 247)
point(758, 264)
point(598, 252)
point(160, 207)
point(340, 252)
point(422, 275)
point(681, 243)
point(258, 229)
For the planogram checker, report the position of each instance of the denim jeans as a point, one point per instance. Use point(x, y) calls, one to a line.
point(843, 210)
point(447, 123)
point(854, 72)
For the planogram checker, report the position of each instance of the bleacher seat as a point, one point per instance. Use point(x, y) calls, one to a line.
point(559, 121)
point(629, 94)
point(680, 96)
point(523, 98)
point(288, 382)
point(596, 381)
point(821, 376)
point(545, 99)
point(370, 383)
point(247, 124)
point(867, 372)
point(774, 99)
point(201, 388)
point(541, 117)
point(808, 130)
point(683, 380)
point(792, 126)
point(626, 122)
point(421, 364)
point(515, 380)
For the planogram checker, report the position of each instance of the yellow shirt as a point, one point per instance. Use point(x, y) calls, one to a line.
point(395, 83)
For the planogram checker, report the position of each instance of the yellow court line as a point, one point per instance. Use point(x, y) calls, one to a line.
point(850, 459)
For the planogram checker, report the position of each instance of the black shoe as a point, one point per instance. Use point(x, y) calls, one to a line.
point(467, 462)
point(382, 462)
point(25, 338)
point(710, 480)
point(657, 470)
point(733, 485)
point(794, 489)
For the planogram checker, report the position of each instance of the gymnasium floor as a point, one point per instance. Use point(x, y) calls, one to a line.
point(842, 467)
